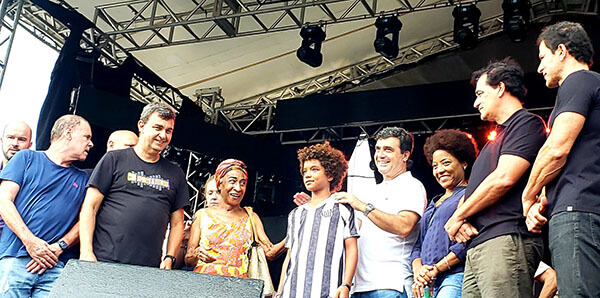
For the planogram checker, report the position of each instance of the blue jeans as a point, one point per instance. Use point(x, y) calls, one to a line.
point(380, 294)
point(16, 282)
point(574, 240)
point(450, 286)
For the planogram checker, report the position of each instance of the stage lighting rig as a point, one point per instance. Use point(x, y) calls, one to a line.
point(516, 18)
point(310, 50)
point(466, 25)
point(386, 39)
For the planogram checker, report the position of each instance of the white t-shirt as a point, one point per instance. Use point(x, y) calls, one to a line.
point(384, 258)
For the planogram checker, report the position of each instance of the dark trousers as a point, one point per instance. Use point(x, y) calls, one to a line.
point(574, 239)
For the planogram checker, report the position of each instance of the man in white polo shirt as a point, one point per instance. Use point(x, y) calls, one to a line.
point(388, 220)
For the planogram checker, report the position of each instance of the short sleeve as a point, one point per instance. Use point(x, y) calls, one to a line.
point(525, 138)
point(414, 197)
point(576, 94)
point(289, 233)
point(102, 176)
point(350, 228)
point(15, 168)
point(182, 198)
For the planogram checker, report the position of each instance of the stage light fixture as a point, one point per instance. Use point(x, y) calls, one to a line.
point(516, 18)
point(386, 39)
point(466, 25)
point(310, 50)
point(492, 135)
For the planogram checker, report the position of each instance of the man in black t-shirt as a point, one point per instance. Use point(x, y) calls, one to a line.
point(569, 162)
point(502, 255)
point(133, 194)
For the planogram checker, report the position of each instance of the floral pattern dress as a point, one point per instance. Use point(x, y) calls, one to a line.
point(227, 242)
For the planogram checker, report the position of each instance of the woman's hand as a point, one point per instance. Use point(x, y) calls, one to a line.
point(418, 289)
point(203, 255)
point(426, 274)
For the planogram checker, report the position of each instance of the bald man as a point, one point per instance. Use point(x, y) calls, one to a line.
point(118, 139)
point(16, 136)
point(121, 139)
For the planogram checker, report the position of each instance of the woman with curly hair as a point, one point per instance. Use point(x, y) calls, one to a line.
point(321, 234)
point(437, 261)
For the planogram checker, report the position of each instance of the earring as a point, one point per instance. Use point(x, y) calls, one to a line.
point(465, 167)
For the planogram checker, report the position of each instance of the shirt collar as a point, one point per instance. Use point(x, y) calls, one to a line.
point(512, 118)
point(402, 176)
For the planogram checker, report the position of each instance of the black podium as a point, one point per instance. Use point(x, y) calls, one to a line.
point(91, 280)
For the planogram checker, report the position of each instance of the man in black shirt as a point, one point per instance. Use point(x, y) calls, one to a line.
point(132, 195)
point(502, 255)
point(569, 162)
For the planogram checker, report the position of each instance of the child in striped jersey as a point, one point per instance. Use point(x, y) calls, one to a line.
point(321, 234)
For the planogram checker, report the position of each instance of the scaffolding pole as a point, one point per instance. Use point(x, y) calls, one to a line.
point(10, 9)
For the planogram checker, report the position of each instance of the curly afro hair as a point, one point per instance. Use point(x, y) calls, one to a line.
point(459, 144)
point(331, 159)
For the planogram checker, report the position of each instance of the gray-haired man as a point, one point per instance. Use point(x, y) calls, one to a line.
point(132, 195)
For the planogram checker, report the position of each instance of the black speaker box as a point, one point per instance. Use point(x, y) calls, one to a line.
point(90, 280)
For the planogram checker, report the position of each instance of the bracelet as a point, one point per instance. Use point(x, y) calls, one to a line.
point(437, 267)
point(447, 264)
point(170, 257)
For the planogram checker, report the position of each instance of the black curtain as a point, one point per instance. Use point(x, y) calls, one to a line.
point(63, 78)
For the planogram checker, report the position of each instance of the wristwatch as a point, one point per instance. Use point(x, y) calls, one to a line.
point(63, 245)
point(347, 286)
point(170, 257)
point(368, 208)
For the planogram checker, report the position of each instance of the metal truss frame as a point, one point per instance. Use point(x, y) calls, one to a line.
point(196, 200)
point(355, 131)
point(11, 9)
point(254, 115)
point(53, 33)
point(157, 23)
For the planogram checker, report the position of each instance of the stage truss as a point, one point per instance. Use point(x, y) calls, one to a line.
point(162, 24)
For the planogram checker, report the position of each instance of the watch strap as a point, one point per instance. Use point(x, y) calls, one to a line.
point(368, 208)
point(63, 245)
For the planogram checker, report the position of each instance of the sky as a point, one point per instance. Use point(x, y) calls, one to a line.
point(26, 79)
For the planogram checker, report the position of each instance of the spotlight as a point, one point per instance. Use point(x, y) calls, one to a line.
point(492, 135)
point(386, 39)
point(466, 17)
point(516, 18)
point(310, 50)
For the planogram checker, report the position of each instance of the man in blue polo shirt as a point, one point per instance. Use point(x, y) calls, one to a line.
point(569, 162)
point(40, 197)
point(16, 136)
point(502, 255)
